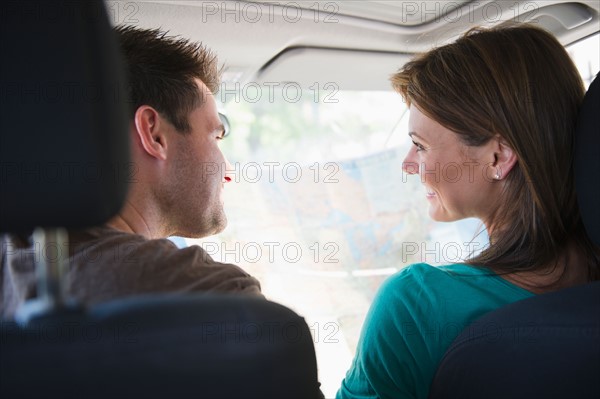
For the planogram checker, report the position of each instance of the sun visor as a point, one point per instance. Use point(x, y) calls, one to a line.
point(312, 67)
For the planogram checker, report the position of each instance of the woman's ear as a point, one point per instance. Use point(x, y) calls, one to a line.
point(150, 129)
point(505, 158)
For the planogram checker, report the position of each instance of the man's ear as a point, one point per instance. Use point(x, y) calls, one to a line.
point(150, 128)
point(505, 158)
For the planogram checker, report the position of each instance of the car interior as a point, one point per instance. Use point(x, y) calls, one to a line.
point(157, 346)
point(306, 95)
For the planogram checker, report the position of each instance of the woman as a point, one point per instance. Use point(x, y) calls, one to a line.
point(500, 107)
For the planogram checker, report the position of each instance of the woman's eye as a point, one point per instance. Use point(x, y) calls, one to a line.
point(419, 146)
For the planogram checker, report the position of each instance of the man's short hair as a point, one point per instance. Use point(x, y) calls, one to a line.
point(162, 70)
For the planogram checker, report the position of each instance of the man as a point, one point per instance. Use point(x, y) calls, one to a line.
point(178, 179)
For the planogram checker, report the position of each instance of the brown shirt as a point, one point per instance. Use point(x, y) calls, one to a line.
point(106, 264)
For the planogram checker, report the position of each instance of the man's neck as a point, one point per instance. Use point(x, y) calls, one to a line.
point(131, 220)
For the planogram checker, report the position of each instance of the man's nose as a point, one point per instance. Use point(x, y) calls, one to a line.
point(228, 170)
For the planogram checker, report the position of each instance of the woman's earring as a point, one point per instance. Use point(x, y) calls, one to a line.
point(498, 174)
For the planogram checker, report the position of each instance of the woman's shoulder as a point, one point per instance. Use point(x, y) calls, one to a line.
point(442, 271)
point(423, 282)
point(424, 273)
point(438, 300)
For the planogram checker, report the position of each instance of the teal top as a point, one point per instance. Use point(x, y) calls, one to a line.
point(413, 319)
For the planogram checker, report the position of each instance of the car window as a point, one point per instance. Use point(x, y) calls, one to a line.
point(586, 55)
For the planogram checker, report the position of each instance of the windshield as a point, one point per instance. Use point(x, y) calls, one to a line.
point(320, 210)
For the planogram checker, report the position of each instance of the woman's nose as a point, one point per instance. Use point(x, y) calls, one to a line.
point(409, 165)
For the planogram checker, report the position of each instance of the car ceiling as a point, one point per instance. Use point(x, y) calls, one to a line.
point(354, 44)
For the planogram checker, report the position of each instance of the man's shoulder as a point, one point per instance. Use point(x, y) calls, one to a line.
point(103, 240)
point(151, 264)
point(108, 244)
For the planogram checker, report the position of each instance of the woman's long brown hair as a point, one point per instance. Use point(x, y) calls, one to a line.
point(517, 82)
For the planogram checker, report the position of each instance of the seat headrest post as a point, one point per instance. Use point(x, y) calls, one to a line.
point(51, 254)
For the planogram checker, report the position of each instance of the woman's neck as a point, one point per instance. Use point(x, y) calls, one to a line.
point(569, 270)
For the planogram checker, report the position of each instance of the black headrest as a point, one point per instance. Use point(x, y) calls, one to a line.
point(64, 146)
point(587, 161)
